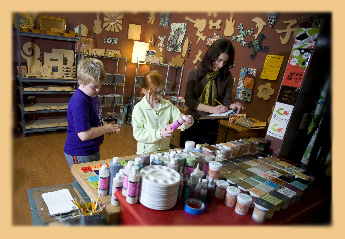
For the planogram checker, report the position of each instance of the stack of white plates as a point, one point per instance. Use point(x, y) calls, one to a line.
point(159, 187)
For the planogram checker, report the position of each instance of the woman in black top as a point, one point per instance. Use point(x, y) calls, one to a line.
point(211, 80)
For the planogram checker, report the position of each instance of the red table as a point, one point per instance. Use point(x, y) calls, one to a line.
point(217, 213)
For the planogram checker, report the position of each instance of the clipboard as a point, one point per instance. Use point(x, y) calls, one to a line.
point(225, 115)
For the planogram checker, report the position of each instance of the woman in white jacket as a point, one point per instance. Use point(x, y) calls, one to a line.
point(152, 114)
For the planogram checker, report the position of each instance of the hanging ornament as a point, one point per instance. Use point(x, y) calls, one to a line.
point(152, 40)
point(272, 18)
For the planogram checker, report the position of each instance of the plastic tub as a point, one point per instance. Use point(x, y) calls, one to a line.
point(243, 204)
point(231, 196)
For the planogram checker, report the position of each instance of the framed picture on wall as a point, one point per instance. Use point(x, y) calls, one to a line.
point(46, 23)
point(178, 31)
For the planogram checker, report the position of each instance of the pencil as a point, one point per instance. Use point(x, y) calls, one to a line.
point(218, 102)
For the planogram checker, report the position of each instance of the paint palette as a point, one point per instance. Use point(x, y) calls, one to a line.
point(159, 187)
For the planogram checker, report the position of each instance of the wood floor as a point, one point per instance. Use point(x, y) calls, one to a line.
point(39, 161)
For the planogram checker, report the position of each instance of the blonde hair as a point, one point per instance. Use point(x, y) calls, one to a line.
point(151, 81)
point(91, 70)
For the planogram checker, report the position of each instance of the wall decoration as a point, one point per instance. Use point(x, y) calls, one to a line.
point(288, 31)
point(151, 18)
point(83, 30)
point(97, 28)
point(178, 31)
point(197, 57)
point(177, 61)
point(300, 57)
point(243, 33)
point(134, 32)
point(31, 52)
point(265, 91)
point(257, 46)
point(245, 84)
point(110, 40)
point(200, 25)
point(288, 95)
point(215, 24)
point(164, 19)
point(150, 53)
point(150, 57)
point(55, 61)
point(46, 71)
point(161, 41)
point(259, 25)
point(293, 76)
point(189, 49)
point(306, 38)
point(272, 18)
point(68, 56)
point(152, 40)
point(113, 22)
point(185, 47)
point(271, 67)
point(212, 39)
point(112, 53)
point(25, 21)
point(87, 43)
point(229, 26)
point(212, 13)
point(279, 120)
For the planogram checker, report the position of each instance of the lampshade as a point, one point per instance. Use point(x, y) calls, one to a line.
point(139, 51)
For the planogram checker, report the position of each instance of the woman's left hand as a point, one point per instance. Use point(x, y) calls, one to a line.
point(238, 107)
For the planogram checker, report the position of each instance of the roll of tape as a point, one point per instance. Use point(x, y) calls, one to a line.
point(192, 210)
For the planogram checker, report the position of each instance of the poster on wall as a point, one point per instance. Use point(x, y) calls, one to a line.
point(271, 67)
point(245, 84)
point(306, 38)
point(288, 95)
point(293, 76)
point(279, 121)
point(178, 31)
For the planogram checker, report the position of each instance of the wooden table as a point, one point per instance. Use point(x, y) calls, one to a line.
point(230, 131)
point(110, 213)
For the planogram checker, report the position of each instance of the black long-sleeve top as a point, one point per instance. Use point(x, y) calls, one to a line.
point(194, 88)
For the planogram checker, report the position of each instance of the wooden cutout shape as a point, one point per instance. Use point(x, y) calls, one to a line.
point(185, 47)
point(177, 61)
point(97, 28)
point(288, 31)
point(229, 26)
point(200, 25)
point(83, 30)
point(259, 25)
point(197, 57)
point(151, 18)
point(212, 13)
point(265, 91)
point(161, 41)
point(54, 60)
point(46, 71)
point(31, 52)
point(113, 22)
point(215, 24)
point(69, 54)
point(112, 53)
point(134, 32)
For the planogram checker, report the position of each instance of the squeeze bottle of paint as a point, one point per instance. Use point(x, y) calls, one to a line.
point(210, 191)
point(114, 168)
point(145, 159)
point(188, 190)
point(180, 189)
point(157, 160)
point(117, 186)
point(128, 169)
point(165, 159)
point(133, 186)
point(196, 175)
point(138, 163)
point(103, 181)
point(203, 195)
point(173, 164)
point(197, 189)
point(197, 148)
point(122, 173)
point(177, 123)
point(189, 146)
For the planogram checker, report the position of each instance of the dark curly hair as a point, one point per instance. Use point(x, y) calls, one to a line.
point(218, 47)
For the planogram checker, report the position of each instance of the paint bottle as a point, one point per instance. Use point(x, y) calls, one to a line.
point(165, 159)
point(221, 189)
point(197, 189)
point(189, 146)
point(180, 189)
point(197, 148)
point(122, 173)
point(203, 195)
point(157, 160)
point(188, 190)
point(138, 163)
point(231, 196)
point(199, 159)
point(117, 186)
point(207, 160)
point(190, 164)
point(180, 159)
point(196, 175)
point(133, 186)
point(210, 191)
point(243, 204)
point(214, 169)
point(145, 159)
point(177, 123)
point(114, 168)
point(172, 153)
point(173, 164)
point(128, 169)
point(103, 180)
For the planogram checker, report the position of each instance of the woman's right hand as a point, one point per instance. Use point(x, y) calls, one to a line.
point(219, 109)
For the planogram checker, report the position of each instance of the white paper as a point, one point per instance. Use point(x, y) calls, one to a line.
point(279, 120)
point(59, 201)
point(230, 112)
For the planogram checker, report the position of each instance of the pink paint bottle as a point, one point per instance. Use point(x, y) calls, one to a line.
point(133, 186)
point(177, 123)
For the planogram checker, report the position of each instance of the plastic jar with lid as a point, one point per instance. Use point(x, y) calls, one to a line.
point(214, 169)
point(231, 196)
point(208, 159)
point(259, 213)
point(243, 204)
point(221, 189)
